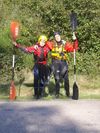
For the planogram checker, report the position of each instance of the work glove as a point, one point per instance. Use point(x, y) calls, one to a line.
point(74, 36)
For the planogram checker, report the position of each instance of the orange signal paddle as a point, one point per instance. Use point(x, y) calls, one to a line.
point(14, 30)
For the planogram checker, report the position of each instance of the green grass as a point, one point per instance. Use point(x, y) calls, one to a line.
point(89, 88)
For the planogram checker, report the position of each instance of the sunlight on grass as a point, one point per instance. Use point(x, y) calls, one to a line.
point(89, 88)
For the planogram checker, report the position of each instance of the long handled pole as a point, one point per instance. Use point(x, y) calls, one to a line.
point(12, 86)
point(75, 95)
point(73, 20)
point(74, 66)
point(14, 28)
point(13, 64)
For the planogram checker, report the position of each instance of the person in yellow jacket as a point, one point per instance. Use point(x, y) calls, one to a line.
point(59, 53)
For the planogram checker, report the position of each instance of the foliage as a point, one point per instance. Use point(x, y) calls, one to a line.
point(45, 17)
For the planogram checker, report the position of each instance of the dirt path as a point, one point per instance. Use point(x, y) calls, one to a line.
point(55, 116)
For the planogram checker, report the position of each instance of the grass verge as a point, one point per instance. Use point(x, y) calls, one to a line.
point(89, 88)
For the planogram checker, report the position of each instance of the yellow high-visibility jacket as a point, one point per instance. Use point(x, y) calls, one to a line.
point(59, 52)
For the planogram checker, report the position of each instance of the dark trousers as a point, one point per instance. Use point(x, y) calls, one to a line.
point(60, 69)
point(40, 74)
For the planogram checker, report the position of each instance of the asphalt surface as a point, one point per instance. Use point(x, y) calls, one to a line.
point(55, 116)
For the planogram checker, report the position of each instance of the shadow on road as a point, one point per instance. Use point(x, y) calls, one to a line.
point(29, 117)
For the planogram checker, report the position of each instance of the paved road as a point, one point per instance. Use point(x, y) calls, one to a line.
point(55, 116)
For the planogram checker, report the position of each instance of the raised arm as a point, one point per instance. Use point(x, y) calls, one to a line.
point(49, 44)
point(30, 49)
point(69, 47)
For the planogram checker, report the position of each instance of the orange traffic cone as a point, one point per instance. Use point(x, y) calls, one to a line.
point(12, 91)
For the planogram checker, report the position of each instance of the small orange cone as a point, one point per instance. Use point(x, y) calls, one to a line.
point(12, 91)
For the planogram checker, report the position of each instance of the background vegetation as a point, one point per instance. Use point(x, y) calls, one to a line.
point(44, 17)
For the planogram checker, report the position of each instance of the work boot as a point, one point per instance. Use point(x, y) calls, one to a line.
point(67, 94)
point(36, 93)
point(40, 93)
